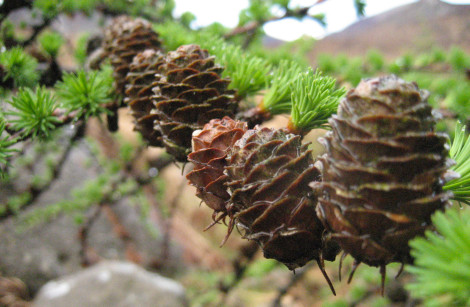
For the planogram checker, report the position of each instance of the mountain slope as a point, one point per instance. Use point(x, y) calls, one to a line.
point(414, 27)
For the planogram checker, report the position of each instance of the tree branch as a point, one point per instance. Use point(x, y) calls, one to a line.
point(35, 192)
point(10, 5)
point(252, 26)
point(36, 30)
point(245, 257)
point(61, 114)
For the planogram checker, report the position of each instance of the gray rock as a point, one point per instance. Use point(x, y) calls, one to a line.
point(113, 284)
point(51, 249)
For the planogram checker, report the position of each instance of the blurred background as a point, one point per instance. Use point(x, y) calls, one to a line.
point(67, 204)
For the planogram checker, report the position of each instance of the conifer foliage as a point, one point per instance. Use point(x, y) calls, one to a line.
point(385, 172)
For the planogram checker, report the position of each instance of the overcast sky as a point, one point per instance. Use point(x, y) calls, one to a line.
point(339, 14)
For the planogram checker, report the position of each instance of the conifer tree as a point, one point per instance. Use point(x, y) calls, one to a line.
point(206, 95)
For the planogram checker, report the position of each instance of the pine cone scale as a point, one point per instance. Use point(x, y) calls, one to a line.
point(333, 217)
point(364, 249)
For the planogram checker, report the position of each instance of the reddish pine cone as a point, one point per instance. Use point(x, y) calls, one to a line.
point(382, 175)
point(269, 172)
point(189, 93)
point(210, 146)
point(124, 38)
point(139, 84)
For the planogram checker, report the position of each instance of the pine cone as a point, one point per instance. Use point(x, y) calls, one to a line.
point(13, 292)
point(210, 147)
point(139, 84)
point(269, 172)
point(124, 39)
point(189, 93)
point(383, 172)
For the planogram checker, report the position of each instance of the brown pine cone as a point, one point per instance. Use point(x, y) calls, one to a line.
point(269, 171)
point(383, 171)
point(125, 38)
point(13, 292)
point(210, 146)
point(139, 84)
point(189, 93)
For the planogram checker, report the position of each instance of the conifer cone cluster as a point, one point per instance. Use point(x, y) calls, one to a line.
point(259, 179)
point(139, 84)
point(210, 147)
point(383, 171)
point(124, 39)
point(189, 92)
point(269, 171)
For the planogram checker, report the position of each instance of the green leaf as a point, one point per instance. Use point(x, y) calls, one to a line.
point(81, 49)
point(460, 153)
point(281, 3)
point(5, 147)
point(458, 58)
point(375, 59)
point(442, 261)
point(258, 10)
point(320, 18)
point(86, 6)
point(314, 99)
point(360, 6)
point(167, 7)
point(32, 112)
point(261, 268)
point(50, 43)
point(277, 99)
point(49, 8)
point(86, 92)
point(19, 66)
point(174, 34)
point(249, 74)
point(187, 18)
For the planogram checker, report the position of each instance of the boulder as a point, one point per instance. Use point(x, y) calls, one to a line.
point(113, 284)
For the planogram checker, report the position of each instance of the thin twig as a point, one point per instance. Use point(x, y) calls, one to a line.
point(36, 30)
point(106, 10)
point(64, 117)
point(110, 149)
point(83, 232)
point(35, 192)
point(9, 6)
point(252, 26)
point(121, 231)
point(240, 264)
point(173, 205)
